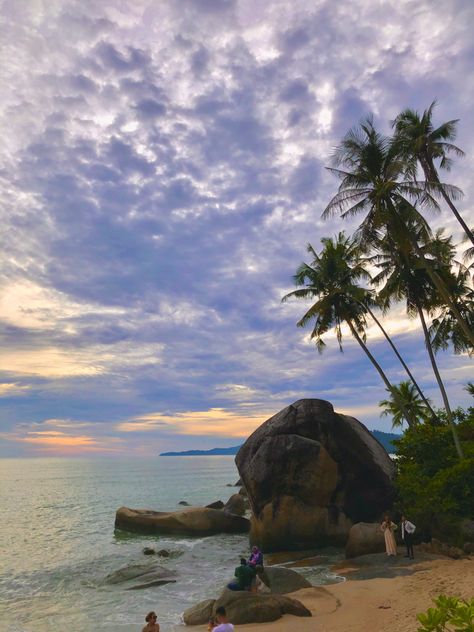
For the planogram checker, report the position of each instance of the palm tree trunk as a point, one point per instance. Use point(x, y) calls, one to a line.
point(385, 379)
point(402, 361)
point(432, 176)
point(440, 383)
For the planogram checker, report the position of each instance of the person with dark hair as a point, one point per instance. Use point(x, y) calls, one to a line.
point(244, 575)
point(151, 624)
point(223, 622)
point(408, 529)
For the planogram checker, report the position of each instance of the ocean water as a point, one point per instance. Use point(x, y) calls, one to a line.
point(57, 542)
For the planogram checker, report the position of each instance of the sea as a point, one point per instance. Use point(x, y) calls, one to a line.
point(58, 543)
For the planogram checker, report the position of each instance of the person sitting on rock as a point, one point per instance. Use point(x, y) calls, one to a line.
point(256, 557)
point(244, 575)
point(151, 624)
point(223, 621)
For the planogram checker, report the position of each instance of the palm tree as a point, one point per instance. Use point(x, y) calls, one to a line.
point(332, 280)
point(444, 329)
point(418, 140)
point(412, 402)
point(372, 182)
point(404, 279)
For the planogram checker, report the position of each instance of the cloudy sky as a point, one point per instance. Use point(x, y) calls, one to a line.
point(162, 168)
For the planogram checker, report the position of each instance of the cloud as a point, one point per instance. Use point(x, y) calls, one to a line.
point(162, 169)
point(215, 421)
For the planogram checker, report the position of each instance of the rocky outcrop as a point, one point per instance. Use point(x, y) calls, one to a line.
point(193, 521)
point(246, 607)
point(310, 474)
point(140, 576)
point(365, 538)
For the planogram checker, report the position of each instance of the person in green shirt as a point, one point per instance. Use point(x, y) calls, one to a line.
point(244, 575)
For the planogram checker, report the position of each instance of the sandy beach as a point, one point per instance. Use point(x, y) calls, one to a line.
point(392, 603)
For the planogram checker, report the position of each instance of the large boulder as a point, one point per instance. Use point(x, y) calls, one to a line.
point(193, 521)
point(365, 538)
point(310, 474)
point(246, 607)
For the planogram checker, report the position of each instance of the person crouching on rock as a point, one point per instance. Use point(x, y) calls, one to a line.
point(151, 624)
point(256, 557)
point(244, 575)
point(223, 621)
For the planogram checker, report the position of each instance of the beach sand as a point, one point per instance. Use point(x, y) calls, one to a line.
point(363, 605)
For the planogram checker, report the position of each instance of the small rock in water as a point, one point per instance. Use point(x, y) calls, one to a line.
point(148, 550)
point(163, 553)
point(184, 503)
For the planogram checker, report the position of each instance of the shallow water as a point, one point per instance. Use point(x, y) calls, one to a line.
point(57, 541)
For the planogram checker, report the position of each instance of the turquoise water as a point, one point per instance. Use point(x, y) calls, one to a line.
point(57, 541)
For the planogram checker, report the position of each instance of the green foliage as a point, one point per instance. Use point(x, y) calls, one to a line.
point(450, 615)
point(431, 480)
point(406, 394)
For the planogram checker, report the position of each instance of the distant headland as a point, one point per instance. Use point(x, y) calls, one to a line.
point(385, 438)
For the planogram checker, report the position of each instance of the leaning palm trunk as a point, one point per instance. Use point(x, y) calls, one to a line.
point(402, 361)
point(440, 285)
point(444, 395)
point(410, 421)
point(431, 175)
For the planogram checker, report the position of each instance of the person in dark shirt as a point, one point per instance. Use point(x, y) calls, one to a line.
point(244, 575)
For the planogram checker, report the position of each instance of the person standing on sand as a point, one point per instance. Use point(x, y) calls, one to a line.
point(151, 624)
point(388, 527)
point(223, 621)
point(408, 529)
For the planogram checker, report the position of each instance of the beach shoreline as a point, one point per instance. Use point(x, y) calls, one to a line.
point(383, 602)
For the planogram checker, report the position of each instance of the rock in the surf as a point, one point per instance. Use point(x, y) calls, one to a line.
point(197, 521)
point(310, 473)
point(365, 538)
point(140, 576)
point(148, 550)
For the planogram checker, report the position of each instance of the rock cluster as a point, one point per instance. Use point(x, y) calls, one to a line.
point(310, 474)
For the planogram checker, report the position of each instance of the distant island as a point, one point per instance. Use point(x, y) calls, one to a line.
point(385, 438)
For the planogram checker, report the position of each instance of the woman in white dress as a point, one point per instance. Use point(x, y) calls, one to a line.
point(388, 527)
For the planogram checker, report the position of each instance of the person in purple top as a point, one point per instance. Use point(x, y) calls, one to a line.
point(256, 557)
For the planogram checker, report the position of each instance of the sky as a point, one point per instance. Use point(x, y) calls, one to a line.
point(162, 169)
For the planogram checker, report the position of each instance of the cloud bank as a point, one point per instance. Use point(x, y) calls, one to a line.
point(162, 169)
